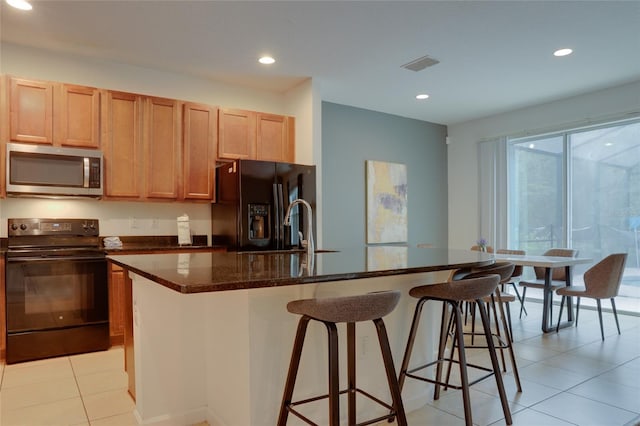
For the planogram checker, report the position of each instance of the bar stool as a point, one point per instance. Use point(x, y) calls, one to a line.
point(495, 302)
point(349, 310)
point(453, 294)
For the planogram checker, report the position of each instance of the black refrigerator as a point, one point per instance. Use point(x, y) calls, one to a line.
point(252, 198)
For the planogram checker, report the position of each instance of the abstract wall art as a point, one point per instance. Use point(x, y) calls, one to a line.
point(386, 202)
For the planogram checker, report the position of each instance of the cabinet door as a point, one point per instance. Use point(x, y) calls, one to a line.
point(31, 106)
point(273, 136)
point(122, 144)
point(199, 151)
point(236, 134)
point(3, 316)
point(116, 304)
point(162, 148)
point(129, 355)
point(76, 112)
point(5, 125)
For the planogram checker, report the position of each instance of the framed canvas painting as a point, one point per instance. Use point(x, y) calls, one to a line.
point(386, 202)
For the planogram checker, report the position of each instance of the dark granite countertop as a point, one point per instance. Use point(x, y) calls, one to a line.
point(150, 248)
point(145, 244)
point(222, 271)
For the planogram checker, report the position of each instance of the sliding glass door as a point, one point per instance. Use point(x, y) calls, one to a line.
point(579, 189)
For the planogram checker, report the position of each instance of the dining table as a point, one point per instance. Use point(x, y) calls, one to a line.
point(549, 263)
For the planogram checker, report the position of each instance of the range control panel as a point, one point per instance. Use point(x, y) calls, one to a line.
point(67, 227)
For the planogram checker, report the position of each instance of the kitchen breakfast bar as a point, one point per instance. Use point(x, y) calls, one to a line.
point(212, 335)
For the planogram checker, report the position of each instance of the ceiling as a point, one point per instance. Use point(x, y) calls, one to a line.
point(495, 56)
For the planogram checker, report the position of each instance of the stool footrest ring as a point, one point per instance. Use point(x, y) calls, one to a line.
point(410, 372)
point(391, 415)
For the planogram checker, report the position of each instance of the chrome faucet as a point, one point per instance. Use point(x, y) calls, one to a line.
point(308, 242)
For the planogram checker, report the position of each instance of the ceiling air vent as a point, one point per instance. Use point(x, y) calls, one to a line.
point(421, 63)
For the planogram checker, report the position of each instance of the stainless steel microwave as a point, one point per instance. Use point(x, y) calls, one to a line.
point(39, 170)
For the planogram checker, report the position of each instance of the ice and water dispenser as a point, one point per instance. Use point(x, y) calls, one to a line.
point(259, 222)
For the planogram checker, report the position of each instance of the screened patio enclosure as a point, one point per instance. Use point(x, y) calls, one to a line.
point(579, 189)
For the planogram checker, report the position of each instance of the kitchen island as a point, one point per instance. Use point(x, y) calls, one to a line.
point(212, 336)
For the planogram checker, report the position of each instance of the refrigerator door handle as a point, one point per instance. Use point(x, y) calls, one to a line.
point(277, 215)
point(281, 241)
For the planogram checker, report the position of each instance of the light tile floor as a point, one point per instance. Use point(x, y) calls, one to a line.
point(569, 378)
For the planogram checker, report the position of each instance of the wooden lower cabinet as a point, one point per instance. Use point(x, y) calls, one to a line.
point(129, 363)
point(121, 318)
point(116, 305)
point(3, 314)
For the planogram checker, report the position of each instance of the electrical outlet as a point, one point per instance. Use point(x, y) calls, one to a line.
point(134, 223)
point(155, 223)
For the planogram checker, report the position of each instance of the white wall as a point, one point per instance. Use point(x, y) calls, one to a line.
point(617, 102)
point(305, 100)
point(116, 217)
point(151, 218)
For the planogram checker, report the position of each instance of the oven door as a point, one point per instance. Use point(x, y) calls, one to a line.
point(55, 293)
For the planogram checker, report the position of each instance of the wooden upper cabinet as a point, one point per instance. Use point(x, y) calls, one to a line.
point(77, 116)
point(236, 134)
point(54, 113)
point(122, 144)
point(31, 106)
point(274, 141)
point(199, 151)
point(255, 135)
point(162, 148)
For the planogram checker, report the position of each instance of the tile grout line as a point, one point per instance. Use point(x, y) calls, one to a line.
point(75, 378)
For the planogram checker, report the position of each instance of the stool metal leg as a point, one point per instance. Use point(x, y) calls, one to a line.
point(334, 378)
point(410, 341)
point(293, 370)
point(442, 346)
point(351, 373)
point(495, 364)
point(491, 306)
point(508, 340)
point(462, 360)
point(389, 368)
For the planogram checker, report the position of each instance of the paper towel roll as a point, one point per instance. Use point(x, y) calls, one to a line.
point(184, 232)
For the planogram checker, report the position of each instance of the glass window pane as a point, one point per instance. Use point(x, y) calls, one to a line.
point(536, 194)
point(605, 201)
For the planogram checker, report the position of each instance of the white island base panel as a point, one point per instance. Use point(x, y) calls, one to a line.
point(223, 356)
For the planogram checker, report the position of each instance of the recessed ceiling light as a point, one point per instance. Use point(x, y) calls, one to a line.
point(608, 144)
point(531, 146)
point(563, 52)
point(422, 96)
point(20, 4)
point(266, 60)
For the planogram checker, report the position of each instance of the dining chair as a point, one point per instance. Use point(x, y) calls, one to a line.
point(601, 281)
point(515, 277)
point(558, 275)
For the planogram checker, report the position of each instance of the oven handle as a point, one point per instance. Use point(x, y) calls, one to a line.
point(54, 258)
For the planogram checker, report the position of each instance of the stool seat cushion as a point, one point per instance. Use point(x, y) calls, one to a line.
point(459, 290)
point(364, 307)
point(504, 269)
